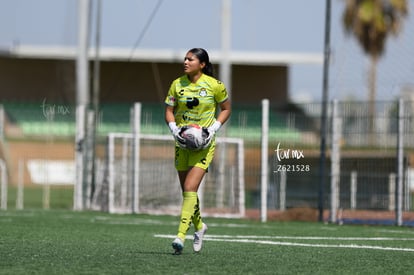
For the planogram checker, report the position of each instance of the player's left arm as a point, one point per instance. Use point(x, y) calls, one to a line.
point(223, 100)
point(222, 117)
point(225, 111)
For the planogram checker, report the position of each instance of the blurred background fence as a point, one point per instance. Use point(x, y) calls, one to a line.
point(37, 150)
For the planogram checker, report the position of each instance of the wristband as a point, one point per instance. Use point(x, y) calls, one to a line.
point(173, 126)
point(216, 126)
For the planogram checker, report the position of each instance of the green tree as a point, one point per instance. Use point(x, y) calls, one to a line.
point(371, 22)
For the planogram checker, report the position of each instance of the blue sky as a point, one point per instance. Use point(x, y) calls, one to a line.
point(257, 25)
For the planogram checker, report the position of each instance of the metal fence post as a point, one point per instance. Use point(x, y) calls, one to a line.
point(335, 161)
point(282, 191)
point(20, 185)
point(3, 183)
point(400, 164)
point(136, 129)
point(391, 191)
point(264, 159)
point(354, 188)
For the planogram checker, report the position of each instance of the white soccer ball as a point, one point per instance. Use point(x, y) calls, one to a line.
point(194, 136)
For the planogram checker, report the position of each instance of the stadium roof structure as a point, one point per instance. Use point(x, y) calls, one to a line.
point(162, 55)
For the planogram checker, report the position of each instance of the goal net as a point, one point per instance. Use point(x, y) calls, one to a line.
point(141, 178)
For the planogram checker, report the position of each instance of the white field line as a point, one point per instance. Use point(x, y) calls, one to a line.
point(243, 239)
point(395, 231)
point(314, 238)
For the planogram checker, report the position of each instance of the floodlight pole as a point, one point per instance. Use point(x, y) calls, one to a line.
point(95, 97)
point(96, 71)
point(323, 133)
point(82, 101)
point(225, 64)
point(225, 77)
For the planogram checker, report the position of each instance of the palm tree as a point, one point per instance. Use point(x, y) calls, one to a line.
point(371, 21)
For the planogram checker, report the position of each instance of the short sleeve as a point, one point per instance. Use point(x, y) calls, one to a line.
point(171, 99)
point(221, 94)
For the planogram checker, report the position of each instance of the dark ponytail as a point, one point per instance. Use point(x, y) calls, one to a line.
point(202, 55)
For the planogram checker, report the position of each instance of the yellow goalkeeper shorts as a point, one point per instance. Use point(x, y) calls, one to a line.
point(184, 158)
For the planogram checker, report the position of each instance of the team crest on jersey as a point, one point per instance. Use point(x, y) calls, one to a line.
point(203, 92)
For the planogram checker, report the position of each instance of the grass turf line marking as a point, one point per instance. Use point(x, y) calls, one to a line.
point(316, 245)
point(395, 231)
point(314, 238)
point(352, 246)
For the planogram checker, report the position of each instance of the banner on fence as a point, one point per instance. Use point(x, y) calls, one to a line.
point(53, 172)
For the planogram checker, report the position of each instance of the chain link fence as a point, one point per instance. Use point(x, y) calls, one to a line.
point(368, 146)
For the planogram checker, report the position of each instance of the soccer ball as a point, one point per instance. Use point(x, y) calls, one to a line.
point(194, 136)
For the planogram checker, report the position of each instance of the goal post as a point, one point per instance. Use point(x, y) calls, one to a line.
point(158, 190)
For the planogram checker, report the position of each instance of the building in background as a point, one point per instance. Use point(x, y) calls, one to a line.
point(33, 73)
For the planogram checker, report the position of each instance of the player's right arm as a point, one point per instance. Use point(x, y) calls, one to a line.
point(170, 105)
point(170, 120)
point(169, 114)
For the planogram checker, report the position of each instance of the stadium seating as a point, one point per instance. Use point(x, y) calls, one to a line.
point(59, 120)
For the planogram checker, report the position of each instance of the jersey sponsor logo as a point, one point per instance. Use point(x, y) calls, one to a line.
point(192, 102)
point(190, 117)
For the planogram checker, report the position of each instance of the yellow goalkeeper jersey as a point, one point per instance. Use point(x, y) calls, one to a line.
point(196, 103)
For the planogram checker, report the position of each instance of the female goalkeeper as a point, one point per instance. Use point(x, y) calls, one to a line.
point(193, 99)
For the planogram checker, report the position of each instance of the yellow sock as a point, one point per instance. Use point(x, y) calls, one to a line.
point(198, 223)
point(187, 212)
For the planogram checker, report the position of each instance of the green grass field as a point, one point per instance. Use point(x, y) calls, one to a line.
point(67, 242)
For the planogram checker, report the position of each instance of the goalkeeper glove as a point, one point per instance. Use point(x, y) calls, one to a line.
point(211, 132)
point(175, 131)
